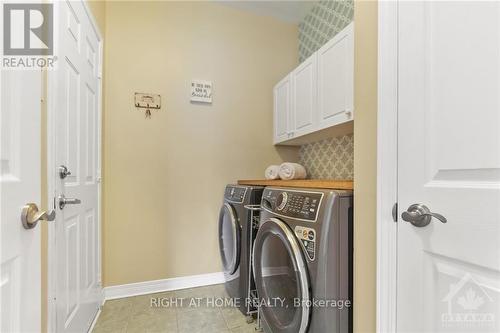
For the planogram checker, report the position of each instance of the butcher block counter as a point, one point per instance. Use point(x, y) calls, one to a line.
point(302, 183)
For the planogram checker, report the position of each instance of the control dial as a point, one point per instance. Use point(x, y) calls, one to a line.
point(282, 200)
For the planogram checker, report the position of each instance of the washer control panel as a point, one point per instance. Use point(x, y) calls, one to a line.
point(295, 204)
point(307, 238)
point(235, 193)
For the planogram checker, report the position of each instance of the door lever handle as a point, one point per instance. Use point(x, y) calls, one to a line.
point(420, 216)
point(30, 216)
point(63, 201)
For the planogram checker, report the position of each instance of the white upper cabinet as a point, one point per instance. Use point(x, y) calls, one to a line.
point(336, 79)
point(282, 99)
point(304, 97)
point(318, 96)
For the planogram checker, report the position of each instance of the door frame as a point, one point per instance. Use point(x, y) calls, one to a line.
point(387, 166)
point(52, 178)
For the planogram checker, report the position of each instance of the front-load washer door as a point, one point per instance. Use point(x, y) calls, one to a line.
point(281, 278)
point(229, 239)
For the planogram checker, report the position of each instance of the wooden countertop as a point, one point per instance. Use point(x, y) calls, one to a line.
point(304, 183)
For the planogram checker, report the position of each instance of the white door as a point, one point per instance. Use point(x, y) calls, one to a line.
point(20, 249)
point(304, 97)
point(76, 87)
point(282, 97)
point(336, 79)
point(449, 160)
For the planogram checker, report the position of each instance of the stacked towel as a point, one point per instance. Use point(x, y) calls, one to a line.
point(272, 172)
point(288, 171)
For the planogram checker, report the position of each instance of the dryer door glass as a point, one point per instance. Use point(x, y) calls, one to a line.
point(229, 239)
point(281, 278)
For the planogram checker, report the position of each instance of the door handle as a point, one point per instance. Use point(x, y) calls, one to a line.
point(30, 215)
point(63, 201)
point(63, 171)
point(420, 216)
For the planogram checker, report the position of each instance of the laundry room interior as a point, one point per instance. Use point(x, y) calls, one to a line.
point(276, 166)
point(204, 103)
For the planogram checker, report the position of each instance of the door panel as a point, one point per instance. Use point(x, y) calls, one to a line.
point(20, 183)
point(78, 291)
point(89, 274)
point(72, 265)
point(449, 160)
point(90, 135)
point(71, 126)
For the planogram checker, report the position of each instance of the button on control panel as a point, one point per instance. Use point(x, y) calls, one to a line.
point(300, 205)
point(235, 193)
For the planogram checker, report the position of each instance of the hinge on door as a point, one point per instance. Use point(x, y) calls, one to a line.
point(395, 212)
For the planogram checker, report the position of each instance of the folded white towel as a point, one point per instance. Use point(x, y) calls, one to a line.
point(272, 172)
point(290, 171)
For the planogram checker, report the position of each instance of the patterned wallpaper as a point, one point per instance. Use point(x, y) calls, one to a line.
point(330, 158)
point(323, 22)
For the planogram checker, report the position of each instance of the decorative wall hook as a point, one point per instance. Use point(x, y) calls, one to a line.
point(148, 102)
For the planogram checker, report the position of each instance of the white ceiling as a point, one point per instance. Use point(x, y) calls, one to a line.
point(284, 10)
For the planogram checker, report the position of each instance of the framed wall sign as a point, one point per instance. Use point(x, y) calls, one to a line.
point(201, 91)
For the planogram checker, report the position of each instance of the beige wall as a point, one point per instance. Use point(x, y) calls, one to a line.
point(98, 9)
point(164, 177)
point(365, 167)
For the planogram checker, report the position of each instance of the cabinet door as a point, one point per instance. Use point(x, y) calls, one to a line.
point(336, 79)
point(304, 98)
point(282, 100)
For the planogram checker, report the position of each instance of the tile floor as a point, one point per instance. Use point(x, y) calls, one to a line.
point(135, 314)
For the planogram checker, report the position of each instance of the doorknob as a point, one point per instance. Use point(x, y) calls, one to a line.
point(420, 216)
point(63, 201)
point(30, 215)
point(63, 172)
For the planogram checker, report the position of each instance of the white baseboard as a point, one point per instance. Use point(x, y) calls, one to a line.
point(156, 286)
point(94, 322)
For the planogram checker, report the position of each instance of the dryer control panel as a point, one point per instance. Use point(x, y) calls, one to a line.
point(294, 204)
point(235, 193)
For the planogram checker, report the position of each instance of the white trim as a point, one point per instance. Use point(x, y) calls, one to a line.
point(387, 172)
point(156, 286)
point(52, 86)
point(96, 318)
